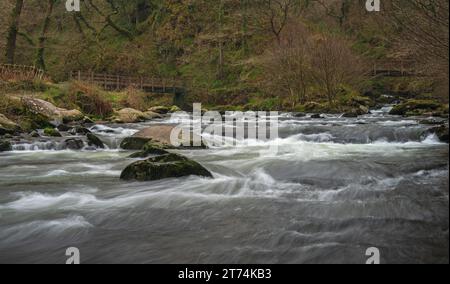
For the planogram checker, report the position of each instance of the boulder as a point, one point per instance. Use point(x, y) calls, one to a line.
point(441, 132)
point(157, 134)
point(160, 109)
point(95, 141)
point(415, 107)
point(298, 114)
point(63, 127)
point(7, 125)
point(50, 111)
point(5, 146)
point(52, 132)
point(150, 149)
point(317, 115)
point(34, 134)
point(162, 167)
point(129, 115)
point(73, 144)
point(79, 130)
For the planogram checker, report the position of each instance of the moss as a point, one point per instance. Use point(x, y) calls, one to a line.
point(134, 143)
point(149, 149)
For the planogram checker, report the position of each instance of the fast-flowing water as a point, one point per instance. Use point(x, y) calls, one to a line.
point(336, 187)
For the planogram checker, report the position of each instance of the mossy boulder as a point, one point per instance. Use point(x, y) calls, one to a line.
point(162, 167)
point(73, 144)
point(94, 141)
point(149, 115)
point(129, 115)
point(415, 107)
point(50, 111)
point(149, 149)
point(52, 132)
point(5, 146)
point(32, 121)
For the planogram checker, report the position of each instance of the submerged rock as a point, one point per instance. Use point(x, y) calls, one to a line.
point(95, 141)
point(161, 167)
point(316, 116)
point(5, 146)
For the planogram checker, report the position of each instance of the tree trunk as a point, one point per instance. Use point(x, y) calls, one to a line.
point(13, 29)
point(40, 62)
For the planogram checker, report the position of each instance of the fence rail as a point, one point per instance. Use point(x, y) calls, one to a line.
point(119, 82)
point(22, 72)
point(396, 68)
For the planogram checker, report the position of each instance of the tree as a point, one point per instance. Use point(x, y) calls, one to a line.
point(334, 64)
point(40, 61)
point(12, 32)
point(288, 65)
point(275, 14)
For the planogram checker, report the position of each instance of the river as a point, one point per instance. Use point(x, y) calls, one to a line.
point(336, 187)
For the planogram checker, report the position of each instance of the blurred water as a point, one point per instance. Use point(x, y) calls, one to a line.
point(336, 187)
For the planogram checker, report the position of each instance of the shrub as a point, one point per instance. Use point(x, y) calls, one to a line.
point(90, 99)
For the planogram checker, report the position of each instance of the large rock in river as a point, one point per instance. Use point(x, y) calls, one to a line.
point(7, 126)
point(158, 134)
point(165, 166)
point(5, 146)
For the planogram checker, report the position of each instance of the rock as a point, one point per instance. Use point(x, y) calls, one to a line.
point(73, 144)
point(149, 115)
point(87, 120)
point(350, 114)
point(4, 131)
point(149, 149)
point(160, 109)
point(35, 134)
point(129, 115)
point(415, 107)
point(5, 146)
point(7, 125)
point(52, 132)
point(134, 143)
point(298, 114)
point(79, 130)
point(317, 115)
point(95, 141)
point(63, 127)
point(160, 134)
point(441, 132)
point(174, 109)
point(165, 166)
point(50, 111)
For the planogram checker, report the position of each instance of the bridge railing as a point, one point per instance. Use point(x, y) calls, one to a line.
point(20, 72)
point(118, 82)
point(400, 68)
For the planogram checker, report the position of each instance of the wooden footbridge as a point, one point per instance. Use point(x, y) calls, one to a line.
point(120, 82)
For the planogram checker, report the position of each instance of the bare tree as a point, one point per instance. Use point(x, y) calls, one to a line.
point(288, 65)
point(275, 14)
point(334, 64)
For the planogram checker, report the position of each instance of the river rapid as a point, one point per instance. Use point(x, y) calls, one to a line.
point(336, 187)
